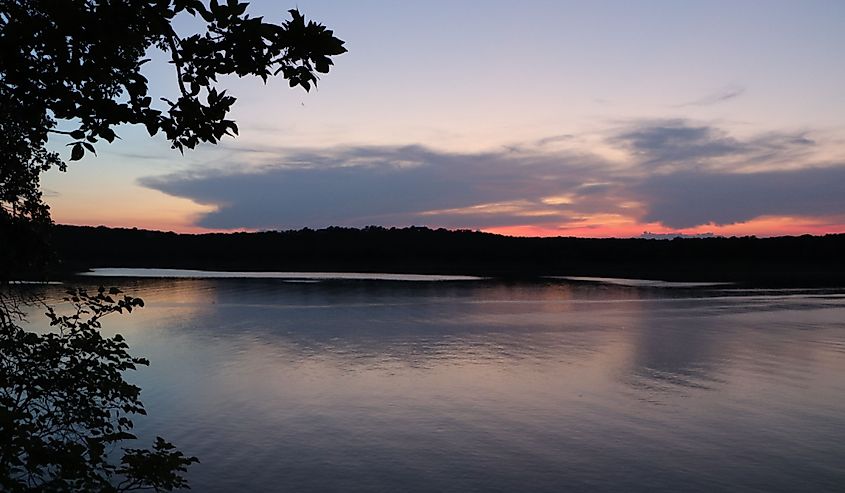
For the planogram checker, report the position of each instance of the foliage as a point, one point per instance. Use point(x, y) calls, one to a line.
point(73, 69)
point(97, 49)
point(77, 64)
point(24, 217)
point(65, 406)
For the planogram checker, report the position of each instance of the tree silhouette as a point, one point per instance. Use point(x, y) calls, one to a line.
point(75, 68)
point(72, 69)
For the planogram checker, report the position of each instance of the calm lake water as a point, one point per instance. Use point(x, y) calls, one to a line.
point(479, 385)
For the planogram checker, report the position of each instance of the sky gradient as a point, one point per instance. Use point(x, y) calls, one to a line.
point(548, 118)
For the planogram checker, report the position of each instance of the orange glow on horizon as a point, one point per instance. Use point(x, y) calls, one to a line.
point(761, 227)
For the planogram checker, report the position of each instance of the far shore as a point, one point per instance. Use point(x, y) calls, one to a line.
point(803, 261)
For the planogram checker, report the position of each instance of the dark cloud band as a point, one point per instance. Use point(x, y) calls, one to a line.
point(680, 174)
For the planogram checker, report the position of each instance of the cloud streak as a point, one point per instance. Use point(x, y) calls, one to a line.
point(724, 94)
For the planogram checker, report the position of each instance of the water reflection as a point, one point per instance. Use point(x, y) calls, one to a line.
point(485, 386)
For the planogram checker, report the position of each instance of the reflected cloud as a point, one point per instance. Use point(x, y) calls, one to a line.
point(680, 356)
point(348, 324)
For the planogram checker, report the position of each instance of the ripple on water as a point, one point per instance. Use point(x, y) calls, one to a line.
point(483, 386)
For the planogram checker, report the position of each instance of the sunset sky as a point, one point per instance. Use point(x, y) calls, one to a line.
point(599, 118)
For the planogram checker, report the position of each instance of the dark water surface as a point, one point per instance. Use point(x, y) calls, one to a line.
point(345, 385)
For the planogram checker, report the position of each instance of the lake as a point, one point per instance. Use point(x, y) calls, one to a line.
point(314, 384)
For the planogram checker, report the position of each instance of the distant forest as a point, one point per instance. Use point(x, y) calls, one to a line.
point(799, 261)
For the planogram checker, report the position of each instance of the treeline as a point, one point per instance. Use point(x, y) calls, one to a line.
point(803, 260)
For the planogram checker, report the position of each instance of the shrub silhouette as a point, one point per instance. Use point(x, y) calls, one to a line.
point(65, 406)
